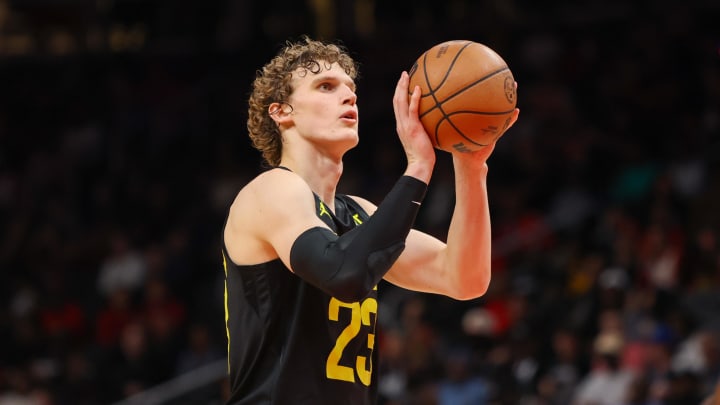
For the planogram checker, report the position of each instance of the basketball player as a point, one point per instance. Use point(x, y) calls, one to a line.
point(302, 263)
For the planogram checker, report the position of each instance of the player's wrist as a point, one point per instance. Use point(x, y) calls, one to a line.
point(420, 170)
point(466, 164)
point(475, 160)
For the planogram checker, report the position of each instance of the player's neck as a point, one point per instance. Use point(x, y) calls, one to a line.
point(319, 172)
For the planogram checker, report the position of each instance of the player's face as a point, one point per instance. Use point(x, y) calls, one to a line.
point(324, 105)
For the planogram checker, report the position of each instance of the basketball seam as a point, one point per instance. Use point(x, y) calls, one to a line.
point(476, 82)
point(438, 103)
point(480, 112)
point(448, 116)
point(432, 91)
point(447, 73)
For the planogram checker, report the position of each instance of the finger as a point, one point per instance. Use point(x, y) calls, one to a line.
point(414, 101)
point(400, 99)
point(514, 118)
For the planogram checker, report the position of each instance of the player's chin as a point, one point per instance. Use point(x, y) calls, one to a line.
point(350, 136)
point(353, 142)
point(345, 141)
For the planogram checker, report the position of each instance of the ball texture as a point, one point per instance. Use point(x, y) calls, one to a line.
point(468, 95)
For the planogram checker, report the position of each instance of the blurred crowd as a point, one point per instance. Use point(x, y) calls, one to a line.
point(117, 169)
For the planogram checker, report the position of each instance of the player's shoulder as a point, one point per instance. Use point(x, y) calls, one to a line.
point(274, 182)
point(270, 188)
point(266, 200)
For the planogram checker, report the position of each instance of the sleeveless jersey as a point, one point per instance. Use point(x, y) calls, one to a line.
point(291, 343)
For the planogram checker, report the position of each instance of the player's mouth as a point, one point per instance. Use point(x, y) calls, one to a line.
point(350, 116)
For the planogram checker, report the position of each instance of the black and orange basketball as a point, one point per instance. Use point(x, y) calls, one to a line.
point(468, 95)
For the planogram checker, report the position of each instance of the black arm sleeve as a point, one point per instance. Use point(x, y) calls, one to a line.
point(348, 267)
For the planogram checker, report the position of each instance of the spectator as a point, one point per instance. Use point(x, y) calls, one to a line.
point(606, 192)
point(607, 382)
point(113, 317)
point(461, 386)
point(124, 267)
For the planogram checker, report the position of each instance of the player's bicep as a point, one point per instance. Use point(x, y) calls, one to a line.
point(288, 221)
point(419, 266)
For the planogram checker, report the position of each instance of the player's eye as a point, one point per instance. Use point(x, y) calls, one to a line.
point(325, 86)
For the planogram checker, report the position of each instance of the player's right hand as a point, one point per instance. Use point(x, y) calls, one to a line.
point(415, 140)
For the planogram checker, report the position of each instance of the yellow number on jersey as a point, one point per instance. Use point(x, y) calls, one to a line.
point(360, 315)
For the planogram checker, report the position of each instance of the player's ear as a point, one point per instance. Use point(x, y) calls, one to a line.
point(280, 112)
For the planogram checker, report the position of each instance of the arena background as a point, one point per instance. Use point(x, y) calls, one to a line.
point(123, 141)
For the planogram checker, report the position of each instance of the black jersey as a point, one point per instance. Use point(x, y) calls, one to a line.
point(291, 343)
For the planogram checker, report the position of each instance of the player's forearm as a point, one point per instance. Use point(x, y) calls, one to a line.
point(468, 254)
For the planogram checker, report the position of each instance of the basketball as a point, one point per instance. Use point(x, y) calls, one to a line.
point(468, 95)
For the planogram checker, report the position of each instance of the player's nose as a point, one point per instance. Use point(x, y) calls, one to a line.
point(349, 97)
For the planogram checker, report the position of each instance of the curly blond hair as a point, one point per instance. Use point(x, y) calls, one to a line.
point(272, 84)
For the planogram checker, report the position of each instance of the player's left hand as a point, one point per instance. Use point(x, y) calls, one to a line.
point(484, 153)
